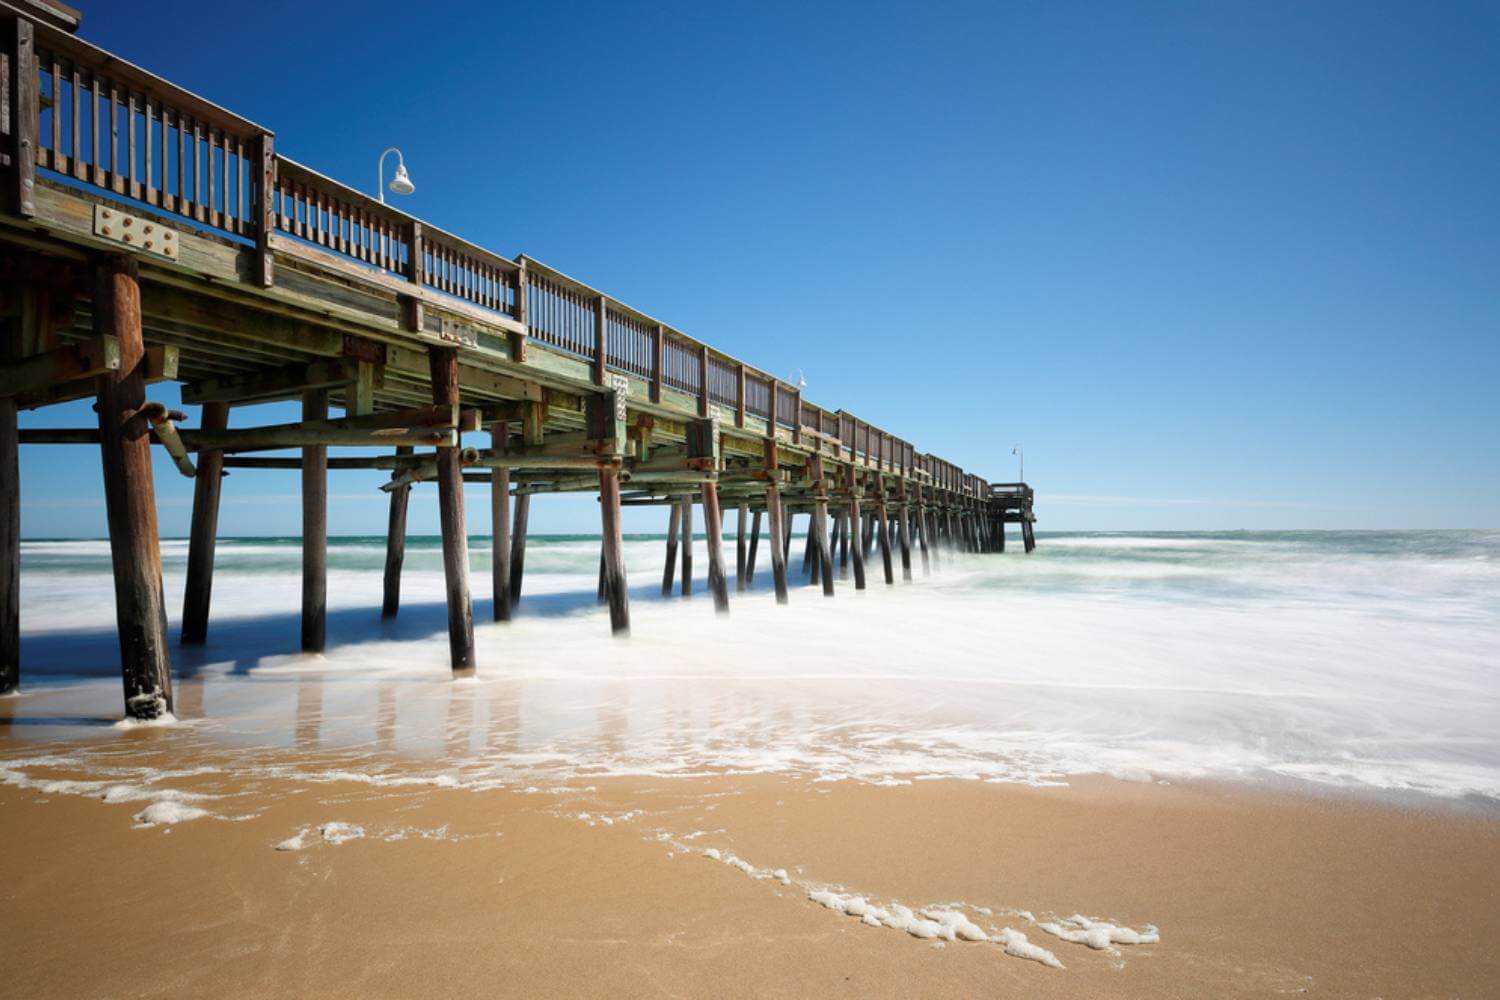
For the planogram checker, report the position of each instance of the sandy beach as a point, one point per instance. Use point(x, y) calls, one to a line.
point(605, 889)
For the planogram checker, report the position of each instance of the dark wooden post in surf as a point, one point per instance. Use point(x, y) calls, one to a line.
point(713, 520)
point(518, 545)
point(820, 524)
point(314, 528)
point(1028, 536)
point(1000, 533)
point(500, 525)
point(443, 365)
point(741, 581)
point(10, 547)
point(614, 558)
point(778, 549)
point(904, 522)
point(810, 564)
point(204, 530)
point(922, 529)
point(669, 572)
point(130, 496)
point(786, 534)
point(754, 545)
point(687, 545)
point(841, 538)
point(855, 545)
point(883, 526)
point(395, 543)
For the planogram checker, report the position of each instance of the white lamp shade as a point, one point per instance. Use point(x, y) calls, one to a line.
point(401, 183)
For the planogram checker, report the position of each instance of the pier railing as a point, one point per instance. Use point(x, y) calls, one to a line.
point(79, 112)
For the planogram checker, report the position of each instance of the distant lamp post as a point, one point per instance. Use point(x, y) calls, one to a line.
point(1021, 457)
point(401, 183)
point(801, 379)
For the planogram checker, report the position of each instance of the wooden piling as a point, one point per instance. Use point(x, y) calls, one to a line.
point(10, 547)
point(777, 524)
point(754, 545)
point(856, 541)
point(314, 529)
point(129, 495)
point(1028, 537)
point(741, 580)
point(904, 524)
point(395, 545)
point(841, 540)
point(614, 557)
point(500, 525)
point(713, 521)
point(687, 546)
point(922, 531)
point(669, 572)
point(443, 365)
point(518, 546)
point(203, 532)
point(823, 554)
point(883, 528)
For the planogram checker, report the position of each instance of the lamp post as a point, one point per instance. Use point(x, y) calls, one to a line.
point(1021, 457)
point(401, 183)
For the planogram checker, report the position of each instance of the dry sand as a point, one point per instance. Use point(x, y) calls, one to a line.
point(513, 894)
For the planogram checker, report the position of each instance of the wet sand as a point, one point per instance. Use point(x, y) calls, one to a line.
point(601, 888)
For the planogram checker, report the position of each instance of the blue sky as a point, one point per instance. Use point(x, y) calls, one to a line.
point(1224, 265)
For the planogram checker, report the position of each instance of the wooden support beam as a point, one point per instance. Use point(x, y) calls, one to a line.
point(658, 361)
point(754, 545)
point(203, 532)
point(1028, 536)
point(614, 557)
point(882, 527)
point(777, 522)
point(841, 538)
point(741, 580)
point(444, 362)
point(518, 546)
point(687, 545)
point(856, 541)
point(395, 545)
point(287, 382)
point(500, 525)
point(713, 519)
point(68, 363)
point(820, 523)
point(669, 572)
point(903, 514)
point(922, 529)
point(437, 425)
point(130, 497)
point(314, 528)
point(10, 548)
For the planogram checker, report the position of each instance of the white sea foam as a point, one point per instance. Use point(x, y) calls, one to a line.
point(1145, 657)
point(1098, 934)
point(166, 812)
point(337, 833)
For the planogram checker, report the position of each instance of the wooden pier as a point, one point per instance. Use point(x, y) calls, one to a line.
point(148, 235)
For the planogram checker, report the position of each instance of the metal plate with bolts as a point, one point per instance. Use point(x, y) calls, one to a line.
point(135, 231)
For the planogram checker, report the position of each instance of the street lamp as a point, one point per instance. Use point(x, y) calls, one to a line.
point(1021, 457)
point(401, 183)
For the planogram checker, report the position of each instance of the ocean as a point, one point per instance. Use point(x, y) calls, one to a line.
point(1352, 661)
